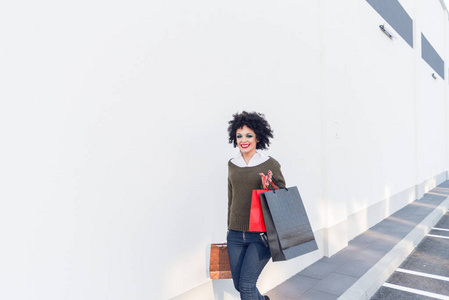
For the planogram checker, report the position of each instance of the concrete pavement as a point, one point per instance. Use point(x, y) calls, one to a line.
point(425, 272)
point(360, 269)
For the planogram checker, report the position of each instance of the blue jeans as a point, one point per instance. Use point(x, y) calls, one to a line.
point(248, 255)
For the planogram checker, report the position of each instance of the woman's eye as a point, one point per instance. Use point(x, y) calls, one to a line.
point(249, 136)
point(239, 136)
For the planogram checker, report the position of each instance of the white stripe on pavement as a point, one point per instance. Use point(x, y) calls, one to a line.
point(423, 274)
point(415, 291)
point(441, 229)
point(439, 236)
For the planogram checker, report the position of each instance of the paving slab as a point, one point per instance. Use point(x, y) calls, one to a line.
point(335, 284)
point(297, 285)
point(317, 295)
point(320, 270)
point(355, 268)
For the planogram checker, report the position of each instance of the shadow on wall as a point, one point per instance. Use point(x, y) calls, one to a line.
point(366, 218)
point(223, 287)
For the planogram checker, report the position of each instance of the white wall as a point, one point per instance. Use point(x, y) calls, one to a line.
point(430, 93)
point(368, 101)
point(114, 118)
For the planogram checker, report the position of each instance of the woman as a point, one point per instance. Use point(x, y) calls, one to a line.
point(248, 251)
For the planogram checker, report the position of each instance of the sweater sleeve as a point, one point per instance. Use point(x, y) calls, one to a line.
point(278, 178)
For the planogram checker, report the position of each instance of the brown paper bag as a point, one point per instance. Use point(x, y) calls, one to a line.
point(219, 262)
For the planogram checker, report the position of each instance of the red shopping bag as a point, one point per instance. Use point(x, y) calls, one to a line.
point(256, 222)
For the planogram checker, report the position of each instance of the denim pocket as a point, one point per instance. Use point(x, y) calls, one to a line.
point(264, 238)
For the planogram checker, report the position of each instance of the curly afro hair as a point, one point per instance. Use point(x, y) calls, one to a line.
point(254, 121)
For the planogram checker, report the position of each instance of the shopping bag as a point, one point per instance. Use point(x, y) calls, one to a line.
point(288, 227)
point(256, 221)
point(219, 267)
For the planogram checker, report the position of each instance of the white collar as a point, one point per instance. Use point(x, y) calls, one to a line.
point(256, 160)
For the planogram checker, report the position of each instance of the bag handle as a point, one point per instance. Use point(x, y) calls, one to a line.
point(266, 180)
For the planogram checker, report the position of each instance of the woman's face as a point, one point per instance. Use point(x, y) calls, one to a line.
point(246, 140)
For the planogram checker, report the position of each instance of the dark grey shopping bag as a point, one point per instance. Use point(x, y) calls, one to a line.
point(288, 227)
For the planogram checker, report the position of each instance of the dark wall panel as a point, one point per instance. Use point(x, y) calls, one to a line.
point(431, 56)
point(395, 15)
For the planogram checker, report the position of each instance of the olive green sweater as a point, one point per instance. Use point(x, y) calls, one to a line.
point(241, 183)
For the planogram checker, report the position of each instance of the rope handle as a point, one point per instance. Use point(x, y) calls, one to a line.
point(267, 179)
